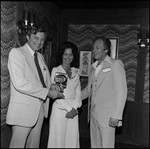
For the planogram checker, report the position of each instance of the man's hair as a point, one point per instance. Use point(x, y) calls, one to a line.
point(35, 29)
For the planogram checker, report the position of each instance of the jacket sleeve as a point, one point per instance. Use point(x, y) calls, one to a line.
point(120, 89)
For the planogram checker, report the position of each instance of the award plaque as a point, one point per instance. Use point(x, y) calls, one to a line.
point(60, 79)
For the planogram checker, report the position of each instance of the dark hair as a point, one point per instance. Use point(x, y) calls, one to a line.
point(107, 44)
point(65, 45)
point(35, 29)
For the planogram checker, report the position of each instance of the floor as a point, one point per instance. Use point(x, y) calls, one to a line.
point(85, 143)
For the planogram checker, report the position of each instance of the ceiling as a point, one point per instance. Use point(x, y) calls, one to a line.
point(101, 4)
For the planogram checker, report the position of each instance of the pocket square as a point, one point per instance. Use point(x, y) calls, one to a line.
point(106, 69)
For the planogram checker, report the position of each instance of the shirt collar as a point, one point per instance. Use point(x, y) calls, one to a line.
point(31, 51)
point(107, 59)
point(95, 64)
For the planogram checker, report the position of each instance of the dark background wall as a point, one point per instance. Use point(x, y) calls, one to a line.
point(135, 129)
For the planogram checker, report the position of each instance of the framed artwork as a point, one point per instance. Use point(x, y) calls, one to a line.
point(85, 62)
point(114, 46)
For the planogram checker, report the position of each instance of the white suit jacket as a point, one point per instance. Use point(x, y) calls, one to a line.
point(109, 91)
point(27, 94)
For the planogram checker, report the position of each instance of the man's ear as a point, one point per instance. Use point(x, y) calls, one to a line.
point(27, 37)
point(106, 51)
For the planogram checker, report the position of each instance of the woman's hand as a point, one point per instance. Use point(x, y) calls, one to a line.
point(72, 113)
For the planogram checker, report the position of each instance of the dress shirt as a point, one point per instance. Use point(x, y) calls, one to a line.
point(97, 68)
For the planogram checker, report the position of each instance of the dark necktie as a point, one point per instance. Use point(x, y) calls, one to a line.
point(39, 69)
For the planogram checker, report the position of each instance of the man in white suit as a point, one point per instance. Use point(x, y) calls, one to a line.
point(29, 100)
point(107, 91)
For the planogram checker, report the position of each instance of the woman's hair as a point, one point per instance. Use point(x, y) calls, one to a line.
point(107, 44)
point(65, 45)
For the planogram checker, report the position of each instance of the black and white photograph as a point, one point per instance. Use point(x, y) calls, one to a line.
point(75, 74)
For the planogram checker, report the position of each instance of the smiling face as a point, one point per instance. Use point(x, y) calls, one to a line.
point(36, 41)
point(99, 52)
point(67, 56)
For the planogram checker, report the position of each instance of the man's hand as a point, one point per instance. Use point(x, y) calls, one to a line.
point(72, 113)
point(113, 122)
point(57, 87)
point(55, 94)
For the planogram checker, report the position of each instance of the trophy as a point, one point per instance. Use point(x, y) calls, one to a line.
point(60, 80)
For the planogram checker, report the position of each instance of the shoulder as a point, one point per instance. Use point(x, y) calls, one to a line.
point(119, 62)
point(75, 71)
point(58, 68)
point(116, 61)
point(16, 51)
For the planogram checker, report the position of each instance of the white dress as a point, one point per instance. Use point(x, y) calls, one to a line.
point(64, 132)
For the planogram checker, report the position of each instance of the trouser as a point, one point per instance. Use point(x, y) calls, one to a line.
point(27, 137)
point(101, 137)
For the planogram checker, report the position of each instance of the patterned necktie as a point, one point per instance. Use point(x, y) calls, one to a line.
point(39, 69)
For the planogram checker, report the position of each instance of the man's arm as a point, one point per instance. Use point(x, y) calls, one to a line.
point(120, 89)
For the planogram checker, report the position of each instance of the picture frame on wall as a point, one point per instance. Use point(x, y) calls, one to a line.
point(114, 46)
point(85, 63)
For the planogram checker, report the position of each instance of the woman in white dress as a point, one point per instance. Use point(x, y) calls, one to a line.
point(64, 125)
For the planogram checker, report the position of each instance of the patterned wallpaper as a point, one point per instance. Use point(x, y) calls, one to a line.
point(146, 84)
point(11, 12)
point(8, 22)
point(83, 35)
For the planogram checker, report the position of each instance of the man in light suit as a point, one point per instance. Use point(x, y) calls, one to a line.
point(29, 99)
point(107, 91)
